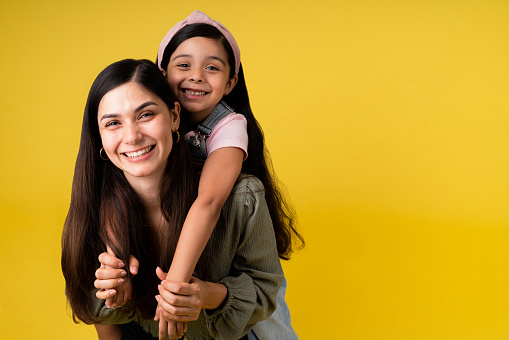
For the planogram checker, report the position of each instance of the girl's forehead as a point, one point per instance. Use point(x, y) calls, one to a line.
point(202, 43)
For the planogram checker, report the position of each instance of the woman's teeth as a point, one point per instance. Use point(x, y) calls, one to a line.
point(138, 153)
point(194, 93)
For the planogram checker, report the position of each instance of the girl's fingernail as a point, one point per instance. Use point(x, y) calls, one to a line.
point(120, 280)
point(121, 264)
point(134, 270)
point(112, 292)
point(158, 298)
point(123, 273)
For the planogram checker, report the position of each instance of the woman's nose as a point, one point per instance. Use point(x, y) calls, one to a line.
point(131, 134)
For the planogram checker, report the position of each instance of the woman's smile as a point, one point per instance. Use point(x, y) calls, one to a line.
point(136, 130)
point(135, 155)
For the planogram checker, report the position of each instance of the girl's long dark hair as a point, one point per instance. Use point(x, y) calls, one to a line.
point(105, 210)
point(258, 162)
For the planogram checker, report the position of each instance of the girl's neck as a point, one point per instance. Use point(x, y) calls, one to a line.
point(195, 118)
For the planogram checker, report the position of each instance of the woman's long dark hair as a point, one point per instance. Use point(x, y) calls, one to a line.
point(258, 162)
point(105, 210)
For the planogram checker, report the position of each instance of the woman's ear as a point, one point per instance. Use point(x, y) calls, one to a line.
point(175, 115)
point(163, 72)
point(231, 84)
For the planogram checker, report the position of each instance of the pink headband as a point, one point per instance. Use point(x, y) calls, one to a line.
point(198, 17)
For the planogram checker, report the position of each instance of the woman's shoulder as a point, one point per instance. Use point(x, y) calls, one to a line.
point(248, 185)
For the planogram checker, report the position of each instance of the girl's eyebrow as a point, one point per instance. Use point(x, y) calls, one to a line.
point(190, 56)
point(139, 108)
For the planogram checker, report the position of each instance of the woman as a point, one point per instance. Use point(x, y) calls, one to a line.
point(132, 187)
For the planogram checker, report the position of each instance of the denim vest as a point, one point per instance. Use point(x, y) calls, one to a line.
point(197, 143)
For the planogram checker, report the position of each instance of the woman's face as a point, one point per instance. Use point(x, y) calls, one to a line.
point(136, 130)
point(198, 73)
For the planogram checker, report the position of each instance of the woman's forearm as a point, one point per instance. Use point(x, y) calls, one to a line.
point(215, 295)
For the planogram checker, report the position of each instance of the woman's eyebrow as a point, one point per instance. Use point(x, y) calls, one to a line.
point(112, 115)
point(144, 105)
point(139, 108)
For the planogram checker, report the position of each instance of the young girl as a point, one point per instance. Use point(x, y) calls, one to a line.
point(201, 61)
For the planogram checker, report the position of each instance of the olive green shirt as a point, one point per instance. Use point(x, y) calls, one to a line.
point(246, 262)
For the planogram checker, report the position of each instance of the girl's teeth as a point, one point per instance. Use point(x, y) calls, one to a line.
point(194, 93)
point(137, 153)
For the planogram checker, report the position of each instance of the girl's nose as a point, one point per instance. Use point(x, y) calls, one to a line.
point(131, 134)
point(196, 76)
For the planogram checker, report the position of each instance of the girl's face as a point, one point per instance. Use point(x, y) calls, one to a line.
point(135, 127)
point(198, 73)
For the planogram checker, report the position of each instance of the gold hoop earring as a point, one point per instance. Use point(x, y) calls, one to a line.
point(101, 154)
point(173, 137)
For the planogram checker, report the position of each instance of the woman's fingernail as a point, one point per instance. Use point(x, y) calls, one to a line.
point(120, 280)
point(134, 270)
point(123, 273)
point(121, 264)
point(112, 292)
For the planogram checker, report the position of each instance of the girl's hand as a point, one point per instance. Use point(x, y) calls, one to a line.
point(182, 301)
point(113, 287)
point(175, 329)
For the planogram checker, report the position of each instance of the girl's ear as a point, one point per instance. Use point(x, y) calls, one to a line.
point(231, 84)
point(163, 71)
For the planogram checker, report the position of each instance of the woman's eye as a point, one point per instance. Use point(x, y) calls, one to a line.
point(146, 115)
point(112, 123)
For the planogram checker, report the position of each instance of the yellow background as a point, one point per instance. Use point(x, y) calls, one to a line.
point(386, 120)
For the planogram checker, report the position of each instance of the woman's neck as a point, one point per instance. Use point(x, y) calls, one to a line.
point(148, 190)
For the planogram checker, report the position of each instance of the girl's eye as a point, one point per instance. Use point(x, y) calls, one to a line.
point(183, 65)
point(212, 68)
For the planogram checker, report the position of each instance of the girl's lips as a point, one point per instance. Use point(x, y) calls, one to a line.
point(139, 153)
point(193, 93)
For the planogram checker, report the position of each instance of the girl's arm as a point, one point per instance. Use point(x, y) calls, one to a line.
point(108, 332)
point(244, 289)
point(219, 174)
point(188, 299)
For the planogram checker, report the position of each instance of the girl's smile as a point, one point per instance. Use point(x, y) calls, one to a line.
point(198, 73)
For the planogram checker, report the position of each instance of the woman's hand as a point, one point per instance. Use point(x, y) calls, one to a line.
point(184, 301)
point(113, 287)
